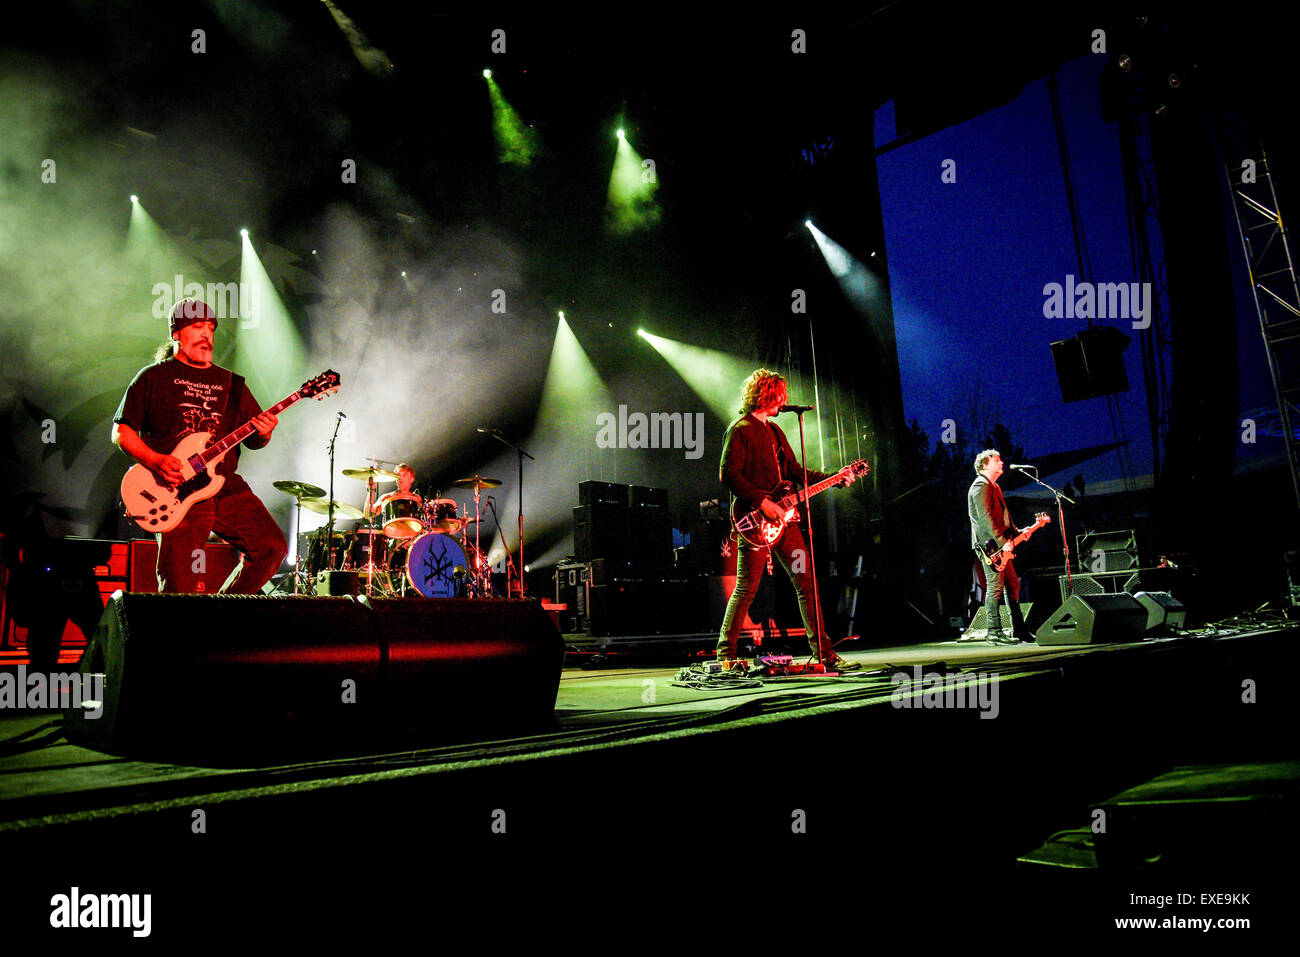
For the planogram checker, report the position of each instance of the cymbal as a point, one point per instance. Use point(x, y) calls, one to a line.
point(299, 489)
point(477, 482)
point(322, 507)
point(369, 473)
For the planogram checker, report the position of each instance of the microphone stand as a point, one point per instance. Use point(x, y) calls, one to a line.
point(1060, 518)
point(521, 454)
point(329, 525)
point(812, 556)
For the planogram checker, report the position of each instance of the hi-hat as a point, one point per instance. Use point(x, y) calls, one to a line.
point(299, 489)
point(369, 473)
point(322, 506)
point(477, 482)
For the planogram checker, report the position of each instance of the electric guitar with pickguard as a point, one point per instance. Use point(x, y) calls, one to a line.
point(757, 530)
point(160, 508)
point(992, 552)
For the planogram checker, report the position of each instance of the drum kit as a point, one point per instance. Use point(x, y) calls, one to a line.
point(403, 546)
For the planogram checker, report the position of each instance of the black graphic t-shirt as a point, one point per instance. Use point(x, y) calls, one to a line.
point(170, 400)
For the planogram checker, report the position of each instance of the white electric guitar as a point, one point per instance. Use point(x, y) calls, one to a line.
point(160, 508)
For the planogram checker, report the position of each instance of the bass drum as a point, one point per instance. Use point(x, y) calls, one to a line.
point(436, 566)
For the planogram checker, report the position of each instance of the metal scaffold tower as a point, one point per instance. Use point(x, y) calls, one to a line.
point(1273, 283)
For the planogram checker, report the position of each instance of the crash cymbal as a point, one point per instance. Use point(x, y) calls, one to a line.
point(322, 507)
point(477, 482)
point(299, 489)
point(371, 472)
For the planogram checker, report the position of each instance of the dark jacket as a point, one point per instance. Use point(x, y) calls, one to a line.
point(756, 457)
point(988, 513)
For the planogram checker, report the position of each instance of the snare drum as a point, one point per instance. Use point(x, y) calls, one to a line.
point(436, 566)
point(441, 515)
point(403, 518)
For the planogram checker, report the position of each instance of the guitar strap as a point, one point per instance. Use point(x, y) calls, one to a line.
point(236, 385)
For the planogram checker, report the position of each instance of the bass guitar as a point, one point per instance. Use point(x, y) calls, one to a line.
point(992, 552)
point(757, 530)
point(160, 508)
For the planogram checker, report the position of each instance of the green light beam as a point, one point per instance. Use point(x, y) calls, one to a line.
point(630, 203)
point(516, 141)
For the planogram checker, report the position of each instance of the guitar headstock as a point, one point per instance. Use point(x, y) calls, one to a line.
point(1042, 518)
point(321, 385)
point(855, 470)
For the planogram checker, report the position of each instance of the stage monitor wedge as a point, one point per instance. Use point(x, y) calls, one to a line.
point(1094, 620)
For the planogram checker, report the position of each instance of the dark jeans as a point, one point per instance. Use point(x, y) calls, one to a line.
point(239, 517)
point(1000, 585)
point(792, 553)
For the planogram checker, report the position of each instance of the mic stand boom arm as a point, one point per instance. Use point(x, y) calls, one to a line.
point(1060, 517)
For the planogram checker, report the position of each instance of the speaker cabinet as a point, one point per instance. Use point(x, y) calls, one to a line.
point(1093, 620)
point(600, 531)
point(1163, 610)
point(226, 667)
point(1091, 364)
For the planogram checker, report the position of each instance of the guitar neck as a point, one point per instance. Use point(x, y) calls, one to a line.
point(245, 430)
point(818, 488)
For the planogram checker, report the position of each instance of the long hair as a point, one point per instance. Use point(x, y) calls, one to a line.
point(166, 350)
point(762, 389)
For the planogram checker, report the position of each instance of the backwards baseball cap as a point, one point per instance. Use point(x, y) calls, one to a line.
point(189, 311)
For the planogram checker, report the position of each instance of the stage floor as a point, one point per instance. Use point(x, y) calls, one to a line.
point(44, 779)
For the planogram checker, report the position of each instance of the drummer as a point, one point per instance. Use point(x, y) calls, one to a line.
point(405, 479)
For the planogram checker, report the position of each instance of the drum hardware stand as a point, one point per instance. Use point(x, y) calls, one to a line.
point(519, 574)
point(510, 561)
point(369, 568)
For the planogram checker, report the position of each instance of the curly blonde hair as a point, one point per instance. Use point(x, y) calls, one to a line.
point(762, 389)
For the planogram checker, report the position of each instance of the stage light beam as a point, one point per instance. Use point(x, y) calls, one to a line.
point(516, 140)
point(630, 203)
point(858, 283)
point(268, 349)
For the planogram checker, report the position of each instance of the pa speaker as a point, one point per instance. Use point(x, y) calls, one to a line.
point(222, 668)
point(1093, 620)
point(1163, 610)
point(1091, 364)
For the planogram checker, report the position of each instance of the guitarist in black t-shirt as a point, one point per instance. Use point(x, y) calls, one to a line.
point(186, 393)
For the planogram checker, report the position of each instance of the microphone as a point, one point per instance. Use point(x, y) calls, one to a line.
point(797, 408)
point(1021, 466)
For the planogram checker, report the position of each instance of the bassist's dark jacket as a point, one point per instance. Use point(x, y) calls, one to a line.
point(988, 512)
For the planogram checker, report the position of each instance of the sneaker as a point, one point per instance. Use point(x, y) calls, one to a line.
point(836, 663)
point(977, 634)
point(1002, 638)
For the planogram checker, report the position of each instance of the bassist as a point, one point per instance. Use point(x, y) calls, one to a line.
point(756, 457)
point(182, 393)
point(991, 519)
